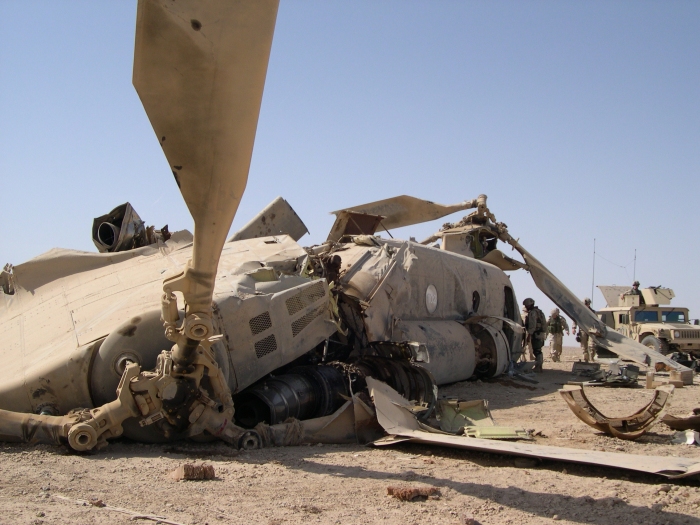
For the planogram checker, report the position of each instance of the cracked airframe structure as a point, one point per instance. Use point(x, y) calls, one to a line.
point(255, 341)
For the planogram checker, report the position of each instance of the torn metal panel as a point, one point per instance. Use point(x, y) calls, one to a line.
point(277, 218)
point(401, 424)
point(405, 211)
point(353, 422)
point(630, 427)
point(456, 414)
point(352, 223)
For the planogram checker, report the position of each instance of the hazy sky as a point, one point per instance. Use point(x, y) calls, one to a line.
point(579, 120)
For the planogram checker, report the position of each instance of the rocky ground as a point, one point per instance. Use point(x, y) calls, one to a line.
point(348, 484)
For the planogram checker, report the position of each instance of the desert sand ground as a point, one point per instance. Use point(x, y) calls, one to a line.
point(347, 484)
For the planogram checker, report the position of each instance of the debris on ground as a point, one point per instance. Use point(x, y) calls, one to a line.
point(686, 437)
point(190, 472)
point(454, 415)
point(683, 423)
point(581, 368)
point(399, 421)
point(674, 377)
point(630, 427)
point(473, 419)
point(617, 376)
point(411, 493)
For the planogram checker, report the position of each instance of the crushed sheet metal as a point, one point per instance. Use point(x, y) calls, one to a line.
point(403, 426)
point(630, 427)
point(456, 414)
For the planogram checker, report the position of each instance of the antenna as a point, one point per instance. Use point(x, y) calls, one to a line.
point(634, 272)
point(593, 280)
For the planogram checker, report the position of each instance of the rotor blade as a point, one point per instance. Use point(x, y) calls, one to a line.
point(573, 307)
point(406, 211)
point(199, 69)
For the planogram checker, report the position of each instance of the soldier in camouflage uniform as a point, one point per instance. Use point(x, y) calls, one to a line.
point(587, 344)
point(535, 331)
point(527, 345)
point(556, 325)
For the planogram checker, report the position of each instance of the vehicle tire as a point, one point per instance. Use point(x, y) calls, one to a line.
point(651, 342)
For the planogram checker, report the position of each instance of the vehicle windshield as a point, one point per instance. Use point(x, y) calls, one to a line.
point(646, 316)
point(673, 317)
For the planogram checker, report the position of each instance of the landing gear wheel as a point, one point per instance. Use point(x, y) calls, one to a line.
point(652, 342)
point(250, 441)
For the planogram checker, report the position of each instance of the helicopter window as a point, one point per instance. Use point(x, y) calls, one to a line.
point(476, 299)
point(509, 303)
point(646, 316)
point(673, 317)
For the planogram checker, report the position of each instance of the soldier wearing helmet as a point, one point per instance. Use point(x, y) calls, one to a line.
point(556, 324)
point(587, 344)
point(535, 331)
point(634, 291)
point(527, 344)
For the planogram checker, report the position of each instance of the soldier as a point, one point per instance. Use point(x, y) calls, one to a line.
point(556, 325)
point(587, 344)
point(535, 331)
point(634, 291)
point(527, 345)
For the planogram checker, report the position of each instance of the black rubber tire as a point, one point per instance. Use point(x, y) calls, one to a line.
point(652, 342)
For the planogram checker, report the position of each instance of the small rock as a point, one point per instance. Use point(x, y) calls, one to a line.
point(192, 472)
point(40, 514)
point(96, 502)
point(411, 493)
point(663, 488)
point(556, 517)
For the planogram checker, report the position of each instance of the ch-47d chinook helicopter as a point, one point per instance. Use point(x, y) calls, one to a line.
point(256, 322)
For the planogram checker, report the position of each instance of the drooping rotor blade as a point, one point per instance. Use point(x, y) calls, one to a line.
point(405, 211)
point(585, 318)
point(199, 69)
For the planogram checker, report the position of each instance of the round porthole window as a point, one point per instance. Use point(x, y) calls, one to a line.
point(431, 298)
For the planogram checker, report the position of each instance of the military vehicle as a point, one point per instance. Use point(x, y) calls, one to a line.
point(254, 340)
point(647, 318)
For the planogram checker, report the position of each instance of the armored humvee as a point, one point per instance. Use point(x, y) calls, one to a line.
point(649, 319)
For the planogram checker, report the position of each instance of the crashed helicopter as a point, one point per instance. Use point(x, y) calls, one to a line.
point(254, 340)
